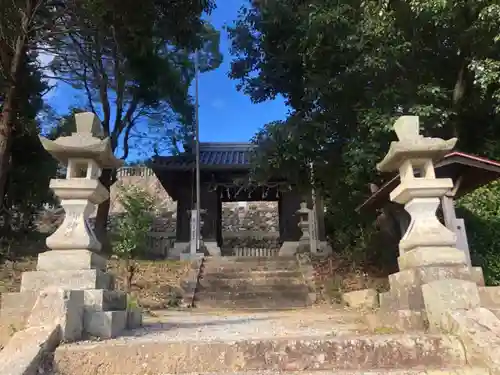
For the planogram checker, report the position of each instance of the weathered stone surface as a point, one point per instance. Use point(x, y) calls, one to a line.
point(477, 275)
point(105, 324)
point(366, 298)
point(105, 300)
point(398, 320)
point(424, 275)
point(479, 329)
point(361, 353)
point(26, 348)
point(430, 256)
point(59, 307)
point(447, 295)
point(233, 283)
point(18, 304)
point(57, 260)
point(67, 279)
point(417, 371)
point(490, 296)
point(134, 317)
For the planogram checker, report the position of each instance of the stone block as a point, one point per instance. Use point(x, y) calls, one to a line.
point(104, 300)
point(288, 248)
point(18, 304)
point(477, 275)
point(424, 275)
point(56, 260)
point(191, 257)
point(479, 331)
point(134, 317)
point(56, 306)
point(25, 350)
point(405, 298)
point(396, 320)
point(212, 248)
point(490, 296)
point(446, 295)
point(105, 324)
point(366, 298)
point(431, 256)
point(69, 279)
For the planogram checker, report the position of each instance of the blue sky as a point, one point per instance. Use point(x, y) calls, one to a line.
point(226, 115)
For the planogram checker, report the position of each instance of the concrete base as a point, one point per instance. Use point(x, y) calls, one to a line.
point(288, 248)
point(406, 285)
point(212, 248)
point(191, 257)
point(56, 260)
point(429, 256)
point(105, 324)
point(177, 250)
point(324, 248)
point(104, 300)
point(67, 279)
point(104, 311)
point(134, 317)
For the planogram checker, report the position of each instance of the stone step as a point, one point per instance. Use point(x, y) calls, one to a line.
point(490, 296)
point(296, 292)
point(253, 303)
point(278, 283)
point(160, 355)
point(411, 371)
point(249, 260)
point(237, 267)
point(210, 275)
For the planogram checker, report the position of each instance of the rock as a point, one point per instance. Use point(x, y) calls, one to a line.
point(366, 298)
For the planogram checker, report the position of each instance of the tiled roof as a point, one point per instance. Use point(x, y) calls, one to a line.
point(212, 155)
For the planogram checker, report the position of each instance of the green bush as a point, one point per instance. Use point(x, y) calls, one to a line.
point(481, 211)
point(133, 226)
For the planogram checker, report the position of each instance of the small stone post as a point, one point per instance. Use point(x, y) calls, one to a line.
point(427, 251)
point(305, 239)
point(73, 262)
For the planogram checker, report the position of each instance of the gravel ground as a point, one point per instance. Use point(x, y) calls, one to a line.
point(184, 326)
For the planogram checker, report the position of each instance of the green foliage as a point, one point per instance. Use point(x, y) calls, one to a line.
point(347, 69)
point(481, 212)
point(133, 227)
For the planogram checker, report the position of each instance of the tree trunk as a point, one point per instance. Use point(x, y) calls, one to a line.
point(101, 220)
point(8, 109)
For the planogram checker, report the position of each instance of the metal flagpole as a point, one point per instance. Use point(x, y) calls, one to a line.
point(197, 124)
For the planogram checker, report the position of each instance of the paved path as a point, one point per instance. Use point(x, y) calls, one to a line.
point(228, 326)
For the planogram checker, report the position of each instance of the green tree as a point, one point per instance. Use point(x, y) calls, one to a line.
point(135, 68)
point(133, 227)
point(347, 69)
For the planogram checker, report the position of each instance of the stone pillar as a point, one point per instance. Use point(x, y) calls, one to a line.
point(427, 251)
point(290, 233)
point(219, 221)
point(72, 263)
point(182, 229)
point(210, 203)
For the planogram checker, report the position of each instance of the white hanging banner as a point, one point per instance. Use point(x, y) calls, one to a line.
point(194, 229)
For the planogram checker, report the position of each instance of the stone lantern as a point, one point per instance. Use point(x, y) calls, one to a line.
point(426, 240)
point(428, 256)
point(84, 155)
point(304, 241)
point(73, 264)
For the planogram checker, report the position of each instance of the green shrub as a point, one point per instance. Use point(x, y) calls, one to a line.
point(481, 211)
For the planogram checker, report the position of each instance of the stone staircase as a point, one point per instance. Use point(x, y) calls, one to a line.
point(251, 283)
point(308, 341)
